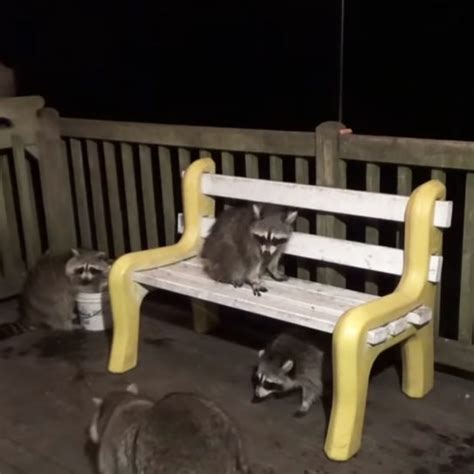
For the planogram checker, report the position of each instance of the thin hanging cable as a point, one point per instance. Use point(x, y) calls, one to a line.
point(341, 61)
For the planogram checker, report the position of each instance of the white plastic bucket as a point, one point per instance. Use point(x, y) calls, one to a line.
point(94, 311)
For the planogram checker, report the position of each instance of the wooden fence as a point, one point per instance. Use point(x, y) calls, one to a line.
point(35, 211)
point(117, 187)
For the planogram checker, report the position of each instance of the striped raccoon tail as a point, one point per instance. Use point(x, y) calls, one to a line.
point(16, 328)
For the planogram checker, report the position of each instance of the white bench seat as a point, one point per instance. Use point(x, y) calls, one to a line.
point(297, 301)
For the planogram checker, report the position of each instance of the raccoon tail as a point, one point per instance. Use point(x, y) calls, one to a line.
point(16, 328)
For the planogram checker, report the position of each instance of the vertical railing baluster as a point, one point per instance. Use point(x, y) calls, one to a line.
point(133, 220)
point(116, 215)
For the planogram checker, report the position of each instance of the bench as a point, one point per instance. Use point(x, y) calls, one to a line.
point(362, 325)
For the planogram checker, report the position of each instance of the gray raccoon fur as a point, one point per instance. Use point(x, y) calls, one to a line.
point(296, 359)
point(182, 433)
point(245, 242)
point(48, 295)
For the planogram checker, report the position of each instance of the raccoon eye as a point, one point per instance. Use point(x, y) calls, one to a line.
point(279, 241)
point(94, 271)
point(272, 385)
point(79, 270)
point(260, 239)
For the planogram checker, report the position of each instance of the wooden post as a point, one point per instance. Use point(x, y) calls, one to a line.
point(466, 308)
point(330, 171)
point(55, 184)
point(441, 176)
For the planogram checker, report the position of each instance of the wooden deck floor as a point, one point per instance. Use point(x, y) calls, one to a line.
point(47, 383)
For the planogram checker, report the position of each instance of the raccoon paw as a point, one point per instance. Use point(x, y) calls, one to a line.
point(237, 284)
point(258, 290)
point(300, 413)
point(280, 277)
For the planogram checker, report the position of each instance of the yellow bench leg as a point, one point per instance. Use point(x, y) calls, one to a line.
point(205, 316)
point(126, 297)
point(418, 362)
point(351, 369)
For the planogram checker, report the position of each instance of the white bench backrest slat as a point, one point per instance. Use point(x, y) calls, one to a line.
point(318, 198)
point(342, 252)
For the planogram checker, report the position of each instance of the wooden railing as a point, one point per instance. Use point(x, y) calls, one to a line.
point(126, 176)
point(35, 210)
point(117, 187)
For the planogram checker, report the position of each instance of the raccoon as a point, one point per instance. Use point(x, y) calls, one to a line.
point(182, 433)
point(244, 242)
point(50, 289)
point(295, 359)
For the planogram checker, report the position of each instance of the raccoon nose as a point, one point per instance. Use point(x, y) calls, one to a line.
point(257, 399)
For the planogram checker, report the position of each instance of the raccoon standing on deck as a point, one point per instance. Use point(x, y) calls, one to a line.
point(49, 293)
point(180, 434)
point(244, 242)
point(295, 359)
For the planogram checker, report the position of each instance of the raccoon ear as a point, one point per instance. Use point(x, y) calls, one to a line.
point(132, 388)
point(101, 255)
point(97, 401)
point(287, 366)
point(261, 352)
point(75, 252)
point(257, 210)
point(291, 217)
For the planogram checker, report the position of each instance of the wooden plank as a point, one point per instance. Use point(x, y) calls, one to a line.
point(184, 159)
point(276, 168)
point(228, 167)
point(8, 262)
point(213, 138)
point(81, 194)
point(18, 457)
point(116, 217)
point(251, 166)
point(376, 258)
point(441, 176)
point(302, 223)
point(372, 182)
point(55, 184)
point(30, 184)
point(404, 180)
point(11, 244)
point(148, 190)
point(454, 354)
point(443, 154)
point(23, 115)
point(404, 188)
point(97, 195)
point(184, 279)
point(466, 303)
point(131, 196)
point(228, 164)
point(167, 195)
point(290, 301)
point(343, 201)
point(27, 203)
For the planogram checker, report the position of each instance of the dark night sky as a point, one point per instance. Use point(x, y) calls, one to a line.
point(251, 64)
